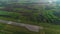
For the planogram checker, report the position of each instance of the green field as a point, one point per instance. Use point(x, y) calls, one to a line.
point(50, 28)
point(41, 17)
point(15, 16)
point(10, 29)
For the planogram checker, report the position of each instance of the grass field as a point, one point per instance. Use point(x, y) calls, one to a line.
point(50, 28)
point(10, 29)
point(13, 16)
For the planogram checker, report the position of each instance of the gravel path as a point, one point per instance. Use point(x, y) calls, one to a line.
point(28, 26)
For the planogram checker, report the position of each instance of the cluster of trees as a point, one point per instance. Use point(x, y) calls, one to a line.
point(31, 14)
point(28, 13)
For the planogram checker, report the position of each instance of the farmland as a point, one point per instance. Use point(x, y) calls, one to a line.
point(47, 16)
point(10, 29)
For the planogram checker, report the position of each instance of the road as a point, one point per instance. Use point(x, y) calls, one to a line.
point(28, 26)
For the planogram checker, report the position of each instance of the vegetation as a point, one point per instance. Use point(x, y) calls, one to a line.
point(50, 28)
point(45, 16)
point(10, 29)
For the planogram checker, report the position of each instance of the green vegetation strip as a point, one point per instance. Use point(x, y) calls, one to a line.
point(50, 28)
point(10, 29)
